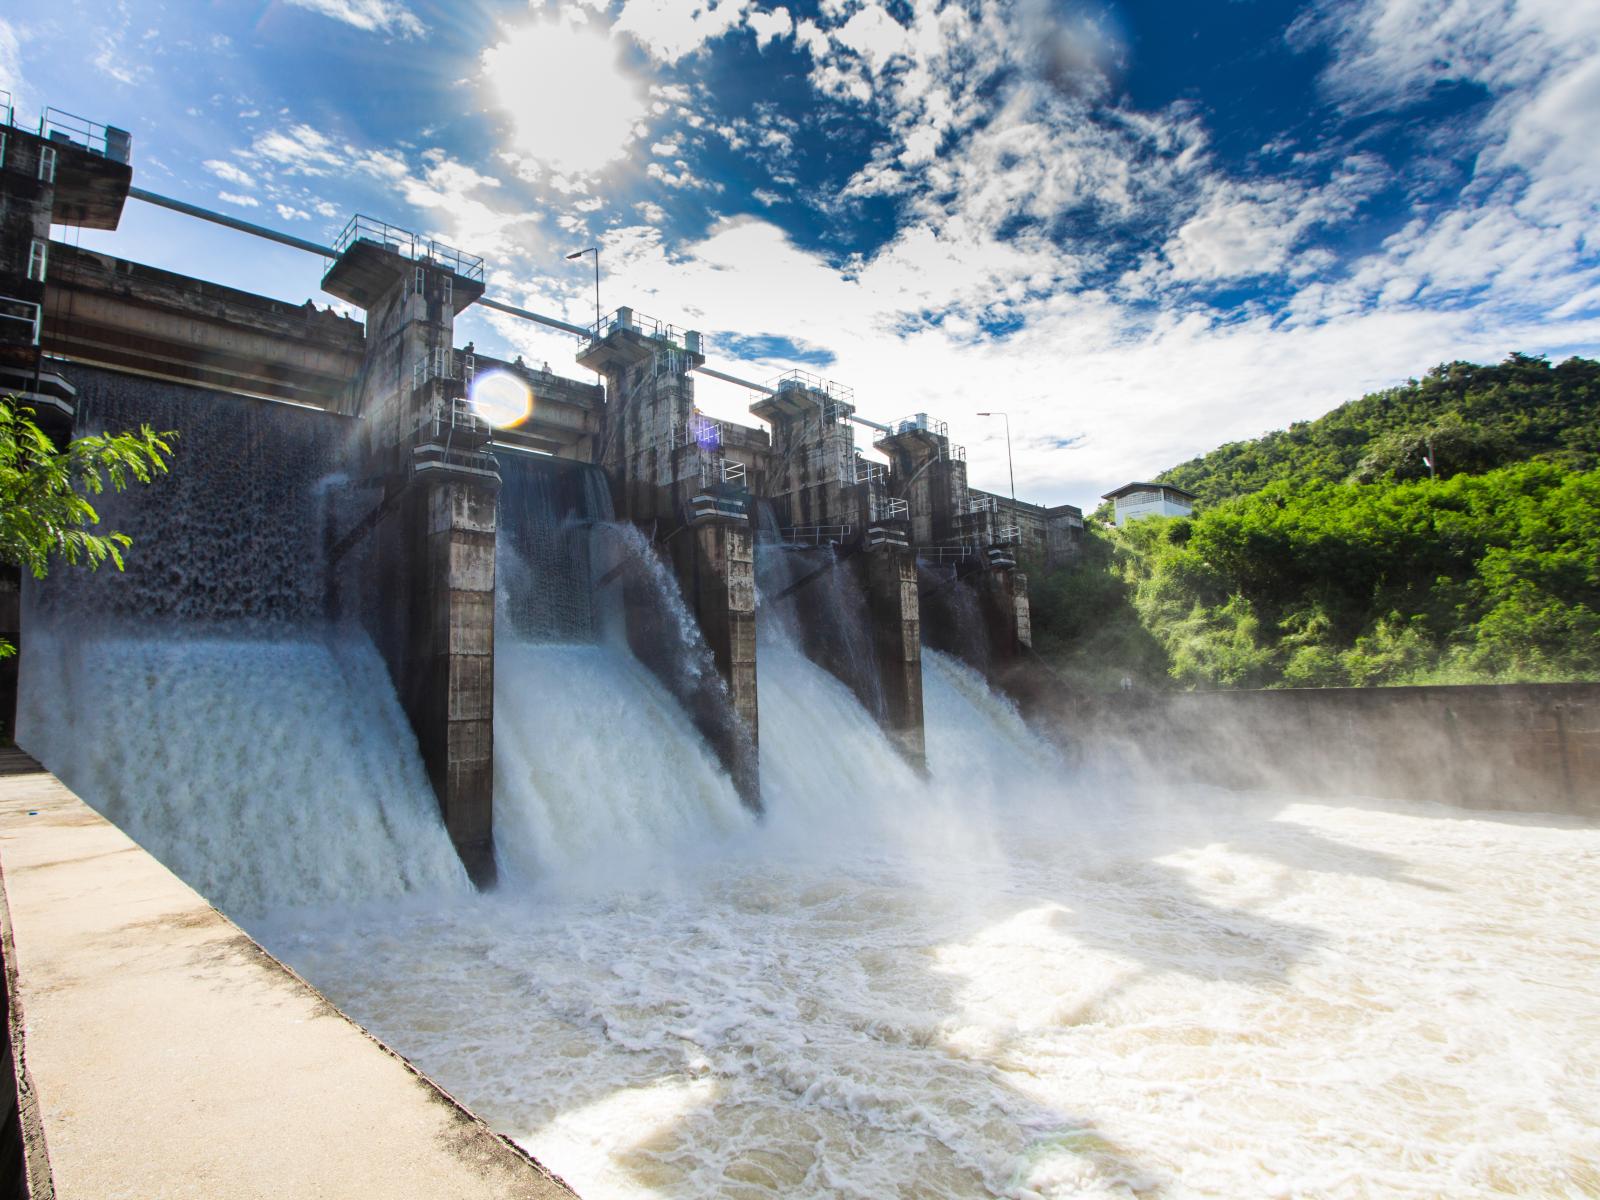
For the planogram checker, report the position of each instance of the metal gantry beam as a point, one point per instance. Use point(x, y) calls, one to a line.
point(295, 243)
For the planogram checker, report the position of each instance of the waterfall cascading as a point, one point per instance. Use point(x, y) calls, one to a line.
point(820, 600)
point(204, 699)
point(598, 766)
point(952, 615)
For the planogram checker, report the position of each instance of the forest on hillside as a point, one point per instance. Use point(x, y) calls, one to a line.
point(1447, 531)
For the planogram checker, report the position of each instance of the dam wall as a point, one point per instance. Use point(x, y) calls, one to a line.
point(1520, 747)
point(362, 513)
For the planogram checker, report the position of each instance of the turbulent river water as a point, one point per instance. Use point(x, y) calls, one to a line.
point(1006, 981)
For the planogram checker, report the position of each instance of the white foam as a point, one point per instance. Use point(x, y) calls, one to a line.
point(264, 771)
point(597, 770)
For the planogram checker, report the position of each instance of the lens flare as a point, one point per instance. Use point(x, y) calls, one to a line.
point(501, 399)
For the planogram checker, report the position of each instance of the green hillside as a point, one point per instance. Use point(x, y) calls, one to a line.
point(1475, 418)
point(1329, 555)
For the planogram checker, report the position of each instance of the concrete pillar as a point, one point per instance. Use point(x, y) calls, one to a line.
point(667, 471)
point(433, 531)
point(1003, 601)
point(455, 626)
point(890, 570)
point(715, 562)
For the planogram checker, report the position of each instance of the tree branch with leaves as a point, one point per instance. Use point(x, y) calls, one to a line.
point(46, 511)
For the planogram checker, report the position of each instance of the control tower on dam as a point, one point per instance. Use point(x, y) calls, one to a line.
point(861, 554)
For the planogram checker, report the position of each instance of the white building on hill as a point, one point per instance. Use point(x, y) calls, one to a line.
point(1134, 500)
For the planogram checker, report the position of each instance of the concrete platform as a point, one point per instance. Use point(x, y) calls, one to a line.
point(168, 1055)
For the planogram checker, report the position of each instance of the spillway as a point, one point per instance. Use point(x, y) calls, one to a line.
point(599, 772)
point(1004, 979)
point(993, 983)
point(204, 699)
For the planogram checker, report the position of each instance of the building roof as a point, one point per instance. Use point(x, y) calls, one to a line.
point(1133, 487)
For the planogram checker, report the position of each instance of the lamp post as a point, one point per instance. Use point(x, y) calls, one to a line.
point(1009, 468)
point(594, 250)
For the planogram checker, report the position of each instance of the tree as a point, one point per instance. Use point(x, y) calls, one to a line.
point(45, 510)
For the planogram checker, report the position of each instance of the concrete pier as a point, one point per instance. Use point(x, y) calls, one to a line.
point(423, 455)
point(155, 1050)
point(889, 569)
point(670, 475)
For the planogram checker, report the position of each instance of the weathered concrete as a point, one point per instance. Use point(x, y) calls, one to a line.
point(1525, 747)
point(433, 529)
point(172, 1057)
point(889, 574)
point(114, 313)
point(715, 561)
point(665, 463)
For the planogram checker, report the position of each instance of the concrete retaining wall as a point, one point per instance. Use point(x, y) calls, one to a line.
point(166, 1054)
point(1523, 747)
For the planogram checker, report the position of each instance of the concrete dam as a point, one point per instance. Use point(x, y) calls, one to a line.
point(655, 788)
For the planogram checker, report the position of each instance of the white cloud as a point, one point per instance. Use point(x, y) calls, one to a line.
point(373, 16)
point(290, 213)
point(572, 106)
point(235, 198)
point(11, 61)
point(669, 30)
point(769, 26)
point(230, 173)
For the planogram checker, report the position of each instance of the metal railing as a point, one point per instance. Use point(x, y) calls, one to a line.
point(870, 472)
point(888, 509)
point(408, 245)
point(917, 423)
point(725, 470)
point(982, 504)
point(19, 320)
point(450, 416)
point(650, 327)
point(830, 388)
point(1007, 535)
point(816, 535)
point(105, 140)
point(705, 432)
point(940, 555)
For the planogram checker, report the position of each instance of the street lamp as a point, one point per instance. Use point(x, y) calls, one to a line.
point(1012, 470)
point(594, 250)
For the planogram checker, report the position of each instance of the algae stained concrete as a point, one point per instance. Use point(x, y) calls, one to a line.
point(170, 1056)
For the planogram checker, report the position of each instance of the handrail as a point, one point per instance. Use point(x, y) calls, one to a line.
point(917, 423)
point(816, 535)
point(945, 554)
point(408, 245)
point(815, 383)
point(650, 327)
point(105, 140)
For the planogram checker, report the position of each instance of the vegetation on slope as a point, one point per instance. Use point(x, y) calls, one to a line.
point(1328, 556)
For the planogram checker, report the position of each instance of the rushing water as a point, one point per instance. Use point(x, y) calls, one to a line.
point(204, 700)
point(1007, 982)
point(1006, 979)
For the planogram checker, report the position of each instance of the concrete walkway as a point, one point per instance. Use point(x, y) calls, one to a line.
point(170, 1056)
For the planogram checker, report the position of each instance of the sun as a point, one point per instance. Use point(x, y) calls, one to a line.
point(572, 104)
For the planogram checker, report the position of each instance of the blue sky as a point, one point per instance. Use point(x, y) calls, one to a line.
point(1140, 228)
